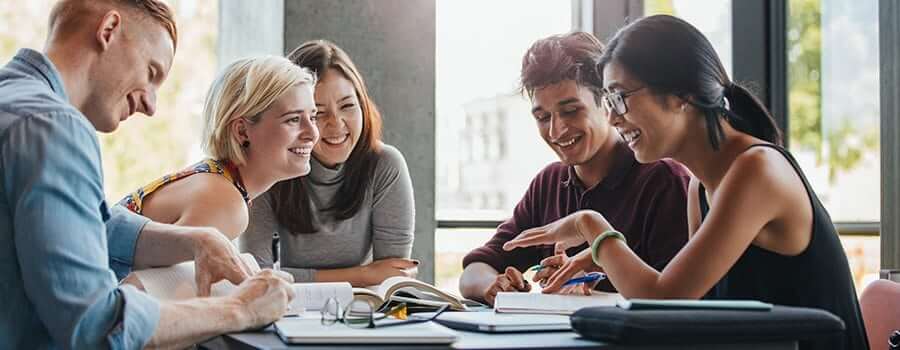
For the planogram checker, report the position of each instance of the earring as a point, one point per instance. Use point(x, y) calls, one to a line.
point(245, 144)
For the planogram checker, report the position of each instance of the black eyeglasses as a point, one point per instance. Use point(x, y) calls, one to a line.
point(615, 101)
point(360, 314)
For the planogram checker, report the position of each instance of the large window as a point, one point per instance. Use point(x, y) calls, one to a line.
point(488, 147)
point(712, 17)
point(833, 103)
point(142, 148)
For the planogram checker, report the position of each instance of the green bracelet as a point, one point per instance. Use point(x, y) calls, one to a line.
point(596, 245)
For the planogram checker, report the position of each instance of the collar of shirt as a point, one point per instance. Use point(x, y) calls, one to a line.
point(36, 64)
point(323, 175)
point(623, 163)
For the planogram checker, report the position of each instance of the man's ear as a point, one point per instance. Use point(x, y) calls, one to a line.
point(110, 29)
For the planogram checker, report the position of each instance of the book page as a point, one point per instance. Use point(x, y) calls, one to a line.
point(177, 283)
point(538, 303)
point(312, 296)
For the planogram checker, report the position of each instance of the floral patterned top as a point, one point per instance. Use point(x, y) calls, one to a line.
point(135, 200)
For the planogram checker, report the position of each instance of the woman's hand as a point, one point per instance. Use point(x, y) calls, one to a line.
point(568, 268)
point(570, 231)
point(380, 270)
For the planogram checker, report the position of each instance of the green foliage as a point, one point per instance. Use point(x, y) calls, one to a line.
point(840, 148)
point(804, 59)
point(659, 7)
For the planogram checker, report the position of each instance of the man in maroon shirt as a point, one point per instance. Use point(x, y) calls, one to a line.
point(597, 171)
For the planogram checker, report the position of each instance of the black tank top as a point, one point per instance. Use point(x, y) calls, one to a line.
point(819, 277)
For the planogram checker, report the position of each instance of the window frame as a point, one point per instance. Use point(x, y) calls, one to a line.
point(889, 64)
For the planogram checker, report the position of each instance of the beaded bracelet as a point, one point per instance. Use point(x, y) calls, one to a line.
point(595, 246)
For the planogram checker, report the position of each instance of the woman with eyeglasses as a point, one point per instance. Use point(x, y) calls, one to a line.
point(757, 229)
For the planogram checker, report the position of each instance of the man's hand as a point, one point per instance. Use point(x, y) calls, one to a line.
point(509, 281)
point(264, 298)
point(380, 270)
point(215, 259)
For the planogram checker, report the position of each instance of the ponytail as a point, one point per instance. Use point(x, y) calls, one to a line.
point(651, 48)
point(748, 115)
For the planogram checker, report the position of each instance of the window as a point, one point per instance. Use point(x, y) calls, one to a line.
point(142, 149)
point(488, 148)
point(833, 102)
point(712, 17)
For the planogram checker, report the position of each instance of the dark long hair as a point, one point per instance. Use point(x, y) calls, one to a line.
point(290, 199)
point(672, 57)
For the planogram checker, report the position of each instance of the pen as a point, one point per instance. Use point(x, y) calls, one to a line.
point(536, 268)
point(591, 277)
point(276, 252)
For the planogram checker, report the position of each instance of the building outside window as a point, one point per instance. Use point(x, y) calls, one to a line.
point(479, 55)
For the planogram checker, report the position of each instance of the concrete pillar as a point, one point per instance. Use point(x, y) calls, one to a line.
point(250, 28)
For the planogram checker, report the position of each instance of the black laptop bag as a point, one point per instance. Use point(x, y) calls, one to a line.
point(657, 327)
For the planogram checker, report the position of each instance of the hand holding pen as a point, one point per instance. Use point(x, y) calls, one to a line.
point(545, 269)
point(568, 268)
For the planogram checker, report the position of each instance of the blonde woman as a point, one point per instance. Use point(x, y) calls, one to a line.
point(352, 218)
point(259, 128)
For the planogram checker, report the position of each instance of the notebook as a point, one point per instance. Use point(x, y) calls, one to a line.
point(538, 303)
point(492, 322)
point(310, 330)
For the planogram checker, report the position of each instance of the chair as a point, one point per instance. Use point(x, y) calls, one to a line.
point(880, 306)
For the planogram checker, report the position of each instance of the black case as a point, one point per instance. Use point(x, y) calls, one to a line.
point(656, 327)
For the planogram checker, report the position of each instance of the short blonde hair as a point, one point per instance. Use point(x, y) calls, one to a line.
point(244, 89)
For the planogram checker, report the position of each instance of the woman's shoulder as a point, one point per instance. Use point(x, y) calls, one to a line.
point(390, 160)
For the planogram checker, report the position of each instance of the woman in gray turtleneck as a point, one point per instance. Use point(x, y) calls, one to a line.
point(352, 218)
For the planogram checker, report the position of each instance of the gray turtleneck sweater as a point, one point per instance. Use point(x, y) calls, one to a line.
point(382, 228)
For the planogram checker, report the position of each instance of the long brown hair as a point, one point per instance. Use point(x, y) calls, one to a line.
point(290, 199)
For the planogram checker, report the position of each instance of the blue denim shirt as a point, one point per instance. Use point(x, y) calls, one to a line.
point(62, 250)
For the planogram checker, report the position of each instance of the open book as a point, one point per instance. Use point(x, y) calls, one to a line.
point(538, 303)
point(177, 283)
point(420, 296)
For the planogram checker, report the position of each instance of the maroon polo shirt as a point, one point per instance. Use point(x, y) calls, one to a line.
point(646, 202)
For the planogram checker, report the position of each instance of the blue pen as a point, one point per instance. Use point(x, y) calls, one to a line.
point(590, 277)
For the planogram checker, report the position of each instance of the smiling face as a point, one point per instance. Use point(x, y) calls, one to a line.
point(283, 138)
point(652, 127)
point(128, 74)
point(570, 121)
point(340, 118)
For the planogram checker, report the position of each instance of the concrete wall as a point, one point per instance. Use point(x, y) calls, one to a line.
point(392, 42)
